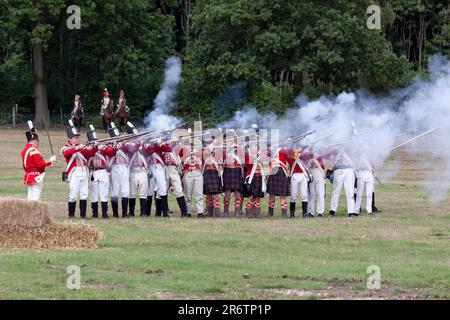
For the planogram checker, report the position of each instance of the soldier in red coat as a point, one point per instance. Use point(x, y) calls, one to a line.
point(98, 168)
point(77, 172)
point(34, 164)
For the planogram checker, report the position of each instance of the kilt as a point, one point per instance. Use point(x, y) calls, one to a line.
point(278, 184)
point(212, 183)
point(255, 188)
point(232, 179)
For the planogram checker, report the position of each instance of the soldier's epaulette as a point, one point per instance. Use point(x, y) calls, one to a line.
point(34, 151)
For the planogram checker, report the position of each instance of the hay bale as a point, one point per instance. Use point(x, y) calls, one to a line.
point(21, 212)
point(28, 225)
point(50, 236)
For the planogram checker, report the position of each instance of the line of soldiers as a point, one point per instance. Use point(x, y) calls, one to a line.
point(145, 171)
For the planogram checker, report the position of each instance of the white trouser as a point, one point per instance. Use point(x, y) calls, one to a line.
point(100, 185)
point(79, 184)
point(159, 174)
point(174, 181)
point(35, 191)
point(193, 187)
point(299, 182)
point(316, 192)
point(120, 181)
point(365, 179)
point(138, 184)
point(346, 178)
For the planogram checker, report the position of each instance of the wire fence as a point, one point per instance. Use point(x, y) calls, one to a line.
point(56, 119)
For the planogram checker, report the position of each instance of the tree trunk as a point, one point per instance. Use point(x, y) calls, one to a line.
point(40, 88)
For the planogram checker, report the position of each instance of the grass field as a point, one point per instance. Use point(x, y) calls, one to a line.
point(238, 258)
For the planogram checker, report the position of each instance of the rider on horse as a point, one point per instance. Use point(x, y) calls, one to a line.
point(77, 114)
point(122, 103)
point(107, 110)
point(122, 110)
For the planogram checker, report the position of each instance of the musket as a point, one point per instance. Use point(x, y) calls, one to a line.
point(412, 139)
point(48, 135)
point(300, 137)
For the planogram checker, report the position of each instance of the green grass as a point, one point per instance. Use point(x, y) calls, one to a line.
point(151, 258)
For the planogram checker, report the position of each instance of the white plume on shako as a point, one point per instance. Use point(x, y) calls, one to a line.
point(159, 119)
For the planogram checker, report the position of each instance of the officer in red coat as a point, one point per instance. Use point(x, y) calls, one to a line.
point(34, 164)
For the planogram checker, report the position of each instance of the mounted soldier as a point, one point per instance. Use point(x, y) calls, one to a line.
point(106, 110)
point(77, 114)
point(122, 110)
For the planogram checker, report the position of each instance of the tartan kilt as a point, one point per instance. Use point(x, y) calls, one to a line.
point(232, 179)
point(278, 184)
point(255, 188)
point(212, 183)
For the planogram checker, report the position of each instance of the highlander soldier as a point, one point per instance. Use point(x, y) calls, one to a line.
point(34, 164)
point(278, 180)
point(76, 173)
point(254, 183)
point(233, 177)
point(98, 167)
point(212, 183)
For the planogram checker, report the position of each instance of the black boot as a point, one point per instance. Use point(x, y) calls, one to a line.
point(115, 208)
point(71, 208)
point(105, 209)
point(158, 206)
point(94, 207)
point(83, 207)
point(374, 208)
point(332, 213)
point(305, 209)
point(143, 203)
point(165, 206)
point(292, 209)
point(182, 204)
point(132, 203)
point(149, 205)
point(270, 212)
point(124, 207)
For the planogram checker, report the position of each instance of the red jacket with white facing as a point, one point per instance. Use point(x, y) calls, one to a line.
point(33, 163)
point(77, 155)
point(292, 160)
point(190, 163)
point(154, 152)
point(100, 159)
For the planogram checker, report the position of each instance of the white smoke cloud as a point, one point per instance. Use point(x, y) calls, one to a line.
point(381, 122)
point(159, 119)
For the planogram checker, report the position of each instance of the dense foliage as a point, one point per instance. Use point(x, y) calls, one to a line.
point(263, 52)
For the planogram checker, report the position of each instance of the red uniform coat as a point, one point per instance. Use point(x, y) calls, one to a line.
point(80, 154)
point(190, 163)
point(292, 158)
point(33, 164)
point(100, 159)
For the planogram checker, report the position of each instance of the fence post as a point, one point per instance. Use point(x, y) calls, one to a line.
point(61, 115)
point(14, 116)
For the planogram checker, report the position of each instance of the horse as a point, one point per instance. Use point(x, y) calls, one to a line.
point(107, 116)
point(122, 115)
point(77, 117)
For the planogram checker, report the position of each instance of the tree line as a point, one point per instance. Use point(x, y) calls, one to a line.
point(234, 52)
